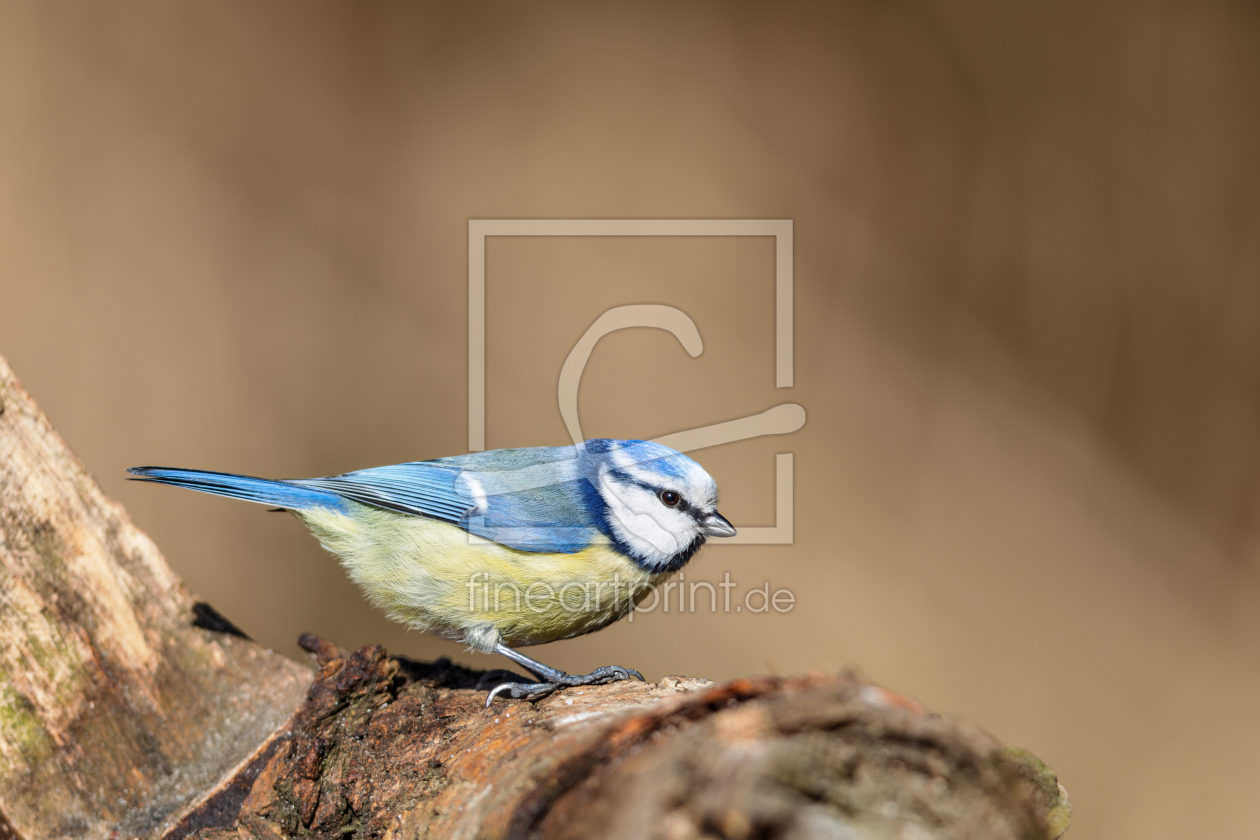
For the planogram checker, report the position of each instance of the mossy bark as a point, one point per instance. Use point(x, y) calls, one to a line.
point(116, 711)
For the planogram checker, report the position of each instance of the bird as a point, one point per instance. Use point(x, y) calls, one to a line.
point(506, 548)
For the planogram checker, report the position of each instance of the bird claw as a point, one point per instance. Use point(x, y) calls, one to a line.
point(605, 675)
point(522, 691)
point(539, 690)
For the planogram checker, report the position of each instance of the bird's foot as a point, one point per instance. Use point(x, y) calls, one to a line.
point(559, 679)
point(600, 676)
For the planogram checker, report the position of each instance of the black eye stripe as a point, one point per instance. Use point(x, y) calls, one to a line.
point(657, 491)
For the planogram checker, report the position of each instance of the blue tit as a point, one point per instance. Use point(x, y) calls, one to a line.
point(507, 548)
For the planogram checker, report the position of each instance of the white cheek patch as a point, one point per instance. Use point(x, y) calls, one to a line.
point(639, 518)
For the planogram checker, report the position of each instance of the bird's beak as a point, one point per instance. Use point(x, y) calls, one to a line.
point(715, 525)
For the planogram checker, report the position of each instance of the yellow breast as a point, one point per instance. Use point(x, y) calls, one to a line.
point(437, 578)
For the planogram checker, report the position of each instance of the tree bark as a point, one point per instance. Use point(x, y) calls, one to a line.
point(117, 709)
point(127, 709)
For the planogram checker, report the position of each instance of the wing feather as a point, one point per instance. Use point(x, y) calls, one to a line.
point(552, 516)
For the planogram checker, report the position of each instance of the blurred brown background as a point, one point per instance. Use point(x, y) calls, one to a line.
point(233, 236)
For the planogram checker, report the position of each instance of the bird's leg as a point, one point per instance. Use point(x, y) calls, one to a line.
point(551, 679)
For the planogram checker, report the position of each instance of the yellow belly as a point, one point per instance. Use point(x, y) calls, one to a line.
point(437, 578)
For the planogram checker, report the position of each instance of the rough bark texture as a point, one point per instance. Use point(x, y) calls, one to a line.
point(128, 710)
point(389, 748)
point(117, 708)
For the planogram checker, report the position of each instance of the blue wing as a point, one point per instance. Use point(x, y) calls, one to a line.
point(531, 500)
point(422, 488)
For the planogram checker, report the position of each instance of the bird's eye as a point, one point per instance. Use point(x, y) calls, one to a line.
point(669, 498)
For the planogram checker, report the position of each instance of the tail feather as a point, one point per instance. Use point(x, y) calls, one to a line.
point(261, 490)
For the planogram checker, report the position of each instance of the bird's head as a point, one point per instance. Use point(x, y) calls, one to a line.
point(660, 505)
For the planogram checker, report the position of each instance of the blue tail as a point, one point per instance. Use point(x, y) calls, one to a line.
point(262, 490)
